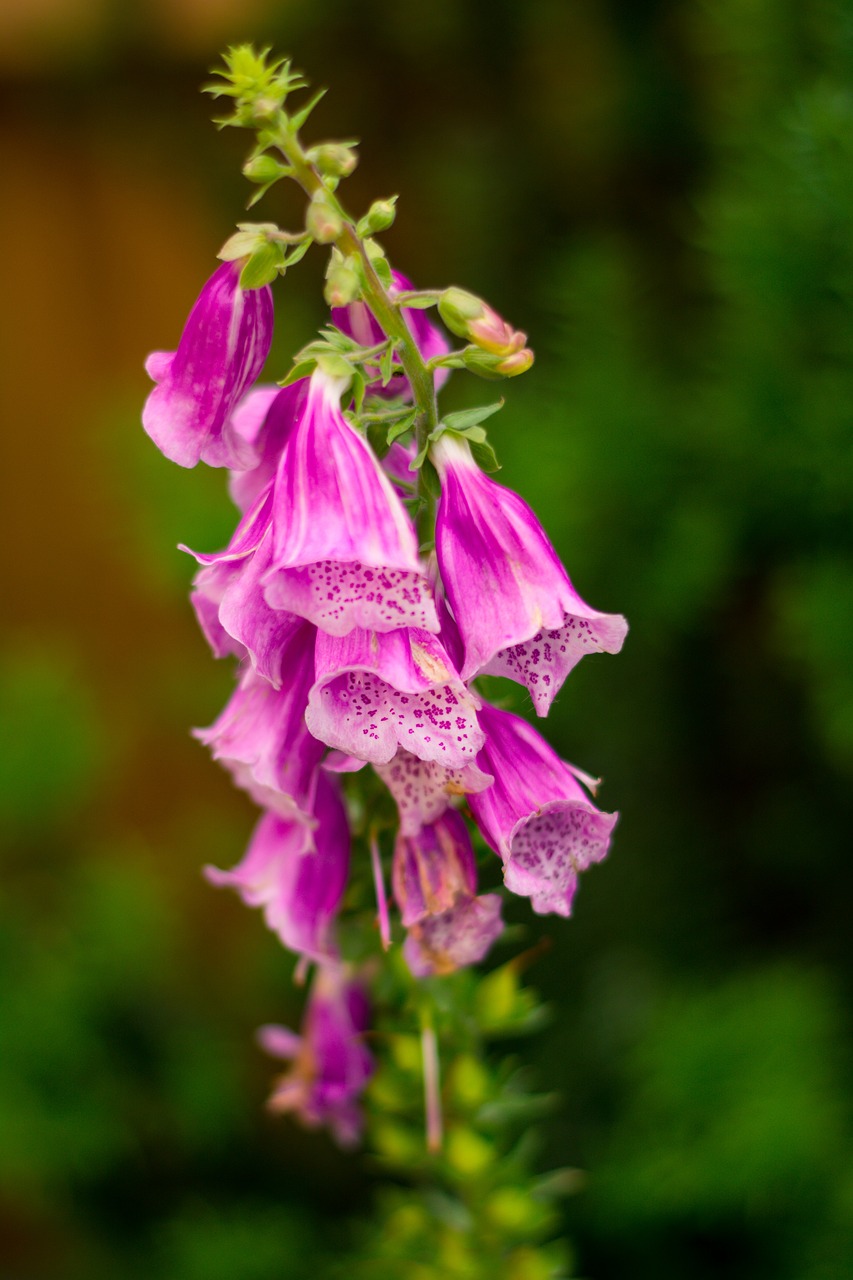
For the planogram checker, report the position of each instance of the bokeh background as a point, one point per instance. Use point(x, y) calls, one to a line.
point(661, 193)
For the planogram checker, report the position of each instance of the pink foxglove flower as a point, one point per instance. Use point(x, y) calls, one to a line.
point(331, 1064)
point(357, 321)
point(344, 549)
point(261, 736)
point(376, 692)
point(536, 815)
point(297, 873)
point(423, 788)
point(435, 886)
point(222, 350)
point(517, 612)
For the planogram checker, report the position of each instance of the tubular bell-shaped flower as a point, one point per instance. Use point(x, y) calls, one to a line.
point(261, 736)
point(517, 612)
point(344, 549)
point(222, 350)
point(331, 1064)
point(536, 815)
point(376, 692)
point(297, 873)
point(435, 886)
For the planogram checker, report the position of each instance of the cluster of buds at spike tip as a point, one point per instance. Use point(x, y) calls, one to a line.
point(499, 350)
point(355, 650)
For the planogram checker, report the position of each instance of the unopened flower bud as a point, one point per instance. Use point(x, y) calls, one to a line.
point(470, 317)
point(379, 217)
point(486, 364)
point(333, 159)
point(322, 219)
point(264, 168)
point(342, 285)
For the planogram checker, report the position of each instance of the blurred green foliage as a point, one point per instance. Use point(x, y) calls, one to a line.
point(661, 193)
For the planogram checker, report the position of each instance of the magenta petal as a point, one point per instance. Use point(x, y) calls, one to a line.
point(261, 736)
point(263, 420)
point(222, 350)
point(332, 1064)
point(433, 868)
point(377, 692)
point(209, 587)
point(458, 937)
point(536, 815)
point(296, 873)
point(423, 788)
point(506, 585)
point(344, 549)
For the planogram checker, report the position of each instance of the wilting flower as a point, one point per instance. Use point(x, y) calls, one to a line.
point(517, 612)
point(331, 1064)
point(297, 873)
point(357, 321)
point(536, 815)
point(222, 350)
point(435, 887)
point(423, 788)
point(261, 736)
point(375, 693)
point(344, 550)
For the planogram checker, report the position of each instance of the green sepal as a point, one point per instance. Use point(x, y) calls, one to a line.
point(248, 237)
point(465, 418)
point(263, 266)
point(400, 428)
point(358, 389)
point(297, 252)
point(378, 440)
point(302, 369)
point(431, 482)
point(485, 456)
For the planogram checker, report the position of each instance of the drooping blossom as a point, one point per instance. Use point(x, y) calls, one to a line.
point(423, 789)
point(344, 550)
point(377, 692)
point(435, 887)
point(358, 321)
point(516, 609)
point(222, 350)
point(331, 1064)
point(297, 873)
point(261, 736)
point(536, 815)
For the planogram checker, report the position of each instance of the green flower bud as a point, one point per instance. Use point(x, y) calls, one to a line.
point(343, 285)
point(457, 308)
point(333, 159)
point(379, 217)
point(264, 168)
point(322, 219)
point(488, 365)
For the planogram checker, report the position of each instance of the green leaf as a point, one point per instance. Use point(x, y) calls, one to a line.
point(400, 428)
point(298, 119)
point(470, 417)
point(432, 484)
point(386, 363)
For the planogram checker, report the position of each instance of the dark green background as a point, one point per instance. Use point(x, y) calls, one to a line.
point(661, 194)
